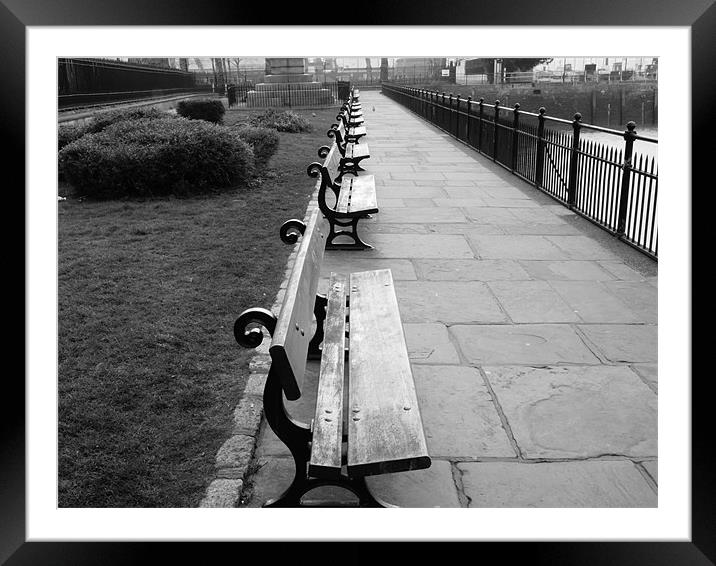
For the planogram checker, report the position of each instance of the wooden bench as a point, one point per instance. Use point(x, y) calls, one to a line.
point(353, 198)
point(354, 131)
point(380, 430)
point(351, 119)
point(351, 153)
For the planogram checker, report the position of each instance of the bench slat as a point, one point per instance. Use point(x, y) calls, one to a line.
point(385, 432)
point(357, 131)
point(358, 195)
point(357, 151)
point(328, 419)
point(289, 345)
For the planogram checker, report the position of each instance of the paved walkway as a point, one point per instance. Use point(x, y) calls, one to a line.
point(532, 337)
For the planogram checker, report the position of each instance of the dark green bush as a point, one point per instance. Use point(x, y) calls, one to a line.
point(156, 157)
point(283, 121)
point(67, 133)
point(264, 142)
point(209, 109)
point(105, 119)
point(70, 132)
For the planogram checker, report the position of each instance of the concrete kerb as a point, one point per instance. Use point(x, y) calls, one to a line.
point(235, 454)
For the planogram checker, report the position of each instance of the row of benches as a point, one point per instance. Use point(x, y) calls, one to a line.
point(356, 327)
point(354, 197)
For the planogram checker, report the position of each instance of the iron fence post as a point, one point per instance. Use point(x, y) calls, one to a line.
point(629, 137)
point(574, 162)
point(497, 121)
point(539, 166)
point(515, 126)
point(449, 128)
point(442, 110)
point(457, 117)
point(479, 126)
point(467, 125)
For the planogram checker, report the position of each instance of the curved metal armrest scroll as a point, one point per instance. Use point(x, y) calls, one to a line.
point(252, 337)
point(291, 229)
point(324, 150)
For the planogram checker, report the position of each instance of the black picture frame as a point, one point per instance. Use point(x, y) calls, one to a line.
point(16, 15)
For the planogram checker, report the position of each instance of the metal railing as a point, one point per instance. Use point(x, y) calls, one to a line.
point(615, 188)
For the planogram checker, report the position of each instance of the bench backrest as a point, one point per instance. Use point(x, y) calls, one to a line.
point(330, 165)
point(293, 332)
point(338, 133)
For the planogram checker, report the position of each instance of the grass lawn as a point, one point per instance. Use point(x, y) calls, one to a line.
point(148, 291)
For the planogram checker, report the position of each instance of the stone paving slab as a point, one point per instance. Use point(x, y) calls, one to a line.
point(652, 467)
point(430, 344)
point(540, 229)
point(538, 344)
point(577, 411)
point(470, 270)
point(459, 416)
point(419, 202)
point(624, 343)
point(448, 302)
point(532, 301)
point(558, 484)
point(466, 229)
point(620, 270)
point(581, 247)
point(516, 247)
point(418, 246)
point(490, 215)
point(432, 487)
point(642, 300)
point(594, 302)
point(406, 191)
point(422, 215)
point(649, 373)
point(573, 270)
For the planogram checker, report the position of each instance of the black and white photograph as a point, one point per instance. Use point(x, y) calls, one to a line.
point(294, 277)
point(468, 320)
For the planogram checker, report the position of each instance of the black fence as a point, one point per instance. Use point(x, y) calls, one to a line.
point(289, 95)
point(86, 82)
point(614, 187)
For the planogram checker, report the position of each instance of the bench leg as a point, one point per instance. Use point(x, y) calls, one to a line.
point(295, 435)
point(292, 496)
point(349, 166)
point(297, 438)
point(319, 311)
point(357, 243)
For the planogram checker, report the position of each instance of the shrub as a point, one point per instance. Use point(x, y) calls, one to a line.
point(209, 109)
point(105, 119)
point(67, 133)
point(156, 157)
point(283, 121)
point(264, 142)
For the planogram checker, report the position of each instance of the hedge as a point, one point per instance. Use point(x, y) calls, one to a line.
point(264, 142)
point(209, 109)
point(67, 133)
point(283, 121)
point(149, 157)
